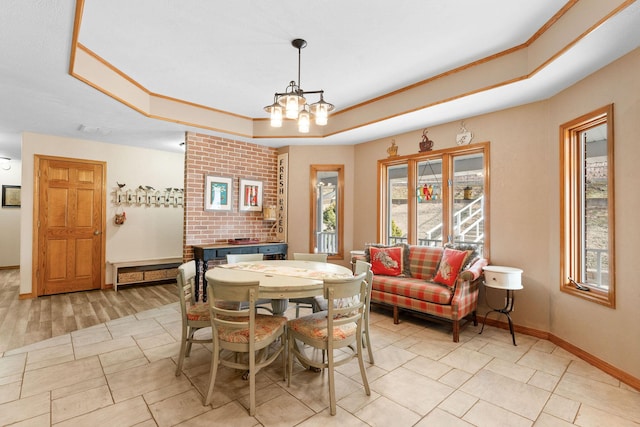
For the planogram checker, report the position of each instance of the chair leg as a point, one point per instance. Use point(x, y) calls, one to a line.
point(252, 382)
point(332, 384)
point(192, 332)
point(367, 342)
point(283, 344)
point(183, 350)
point(290, 355)
point(363, 372)
point(212, 375)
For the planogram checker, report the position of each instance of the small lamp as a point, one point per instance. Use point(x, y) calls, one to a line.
point(270, 213)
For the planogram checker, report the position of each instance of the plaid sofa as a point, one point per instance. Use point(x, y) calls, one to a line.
point(418, 294)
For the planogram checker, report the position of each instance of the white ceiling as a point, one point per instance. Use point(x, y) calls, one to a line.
point(233, 55)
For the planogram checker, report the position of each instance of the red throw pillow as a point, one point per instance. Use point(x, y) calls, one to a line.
point(386, 261)
point(450, 265)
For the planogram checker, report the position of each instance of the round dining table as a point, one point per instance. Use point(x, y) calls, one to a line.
point(281, 279)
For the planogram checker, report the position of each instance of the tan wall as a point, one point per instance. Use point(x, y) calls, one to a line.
point(300, 160)
point(149, 232)
point(611, 334)
point(524, 207)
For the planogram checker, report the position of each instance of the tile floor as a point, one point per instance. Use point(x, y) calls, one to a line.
point(121, 373)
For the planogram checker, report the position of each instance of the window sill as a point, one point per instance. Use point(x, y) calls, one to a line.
point(594, 295)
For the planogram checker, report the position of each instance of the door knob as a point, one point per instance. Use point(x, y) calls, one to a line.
point(96, 233)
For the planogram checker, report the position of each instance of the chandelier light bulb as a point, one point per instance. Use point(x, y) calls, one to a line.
point(303, 122)
point(276, 116)
point(291, 102)
point(320, 112)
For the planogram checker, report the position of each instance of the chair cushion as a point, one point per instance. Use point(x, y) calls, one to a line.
point(266, 325)
point(315, 326)
point(450, 265)
point(199, 312)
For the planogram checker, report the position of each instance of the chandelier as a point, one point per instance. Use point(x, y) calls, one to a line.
point(292, 103)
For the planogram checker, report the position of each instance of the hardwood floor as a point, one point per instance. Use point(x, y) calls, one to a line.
point(27, 321)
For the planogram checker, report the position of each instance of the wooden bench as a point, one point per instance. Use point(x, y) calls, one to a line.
point(144, 271)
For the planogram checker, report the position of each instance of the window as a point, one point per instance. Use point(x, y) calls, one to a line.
point(436, 197)
point(327, 208)
point(587, 237)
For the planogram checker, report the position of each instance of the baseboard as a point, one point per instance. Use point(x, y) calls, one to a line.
point(30, 295)
point(618, 374)
point(10, 267)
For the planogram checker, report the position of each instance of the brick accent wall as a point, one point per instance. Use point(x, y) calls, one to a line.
point(211, 155)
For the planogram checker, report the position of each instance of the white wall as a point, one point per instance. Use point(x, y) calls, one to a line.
point(149, 232)
point(10, 220)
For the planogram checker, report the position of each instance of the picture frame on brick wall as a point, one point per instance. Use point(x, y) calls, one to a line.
point(218, 192)
point(250, 196)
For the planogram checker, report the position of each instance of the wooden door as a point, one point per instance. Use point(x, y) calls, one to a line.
point(70, 220)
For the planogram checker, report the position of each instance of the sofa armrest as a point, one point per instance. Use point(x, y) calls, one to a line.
point(465, 297)
point(474, 271)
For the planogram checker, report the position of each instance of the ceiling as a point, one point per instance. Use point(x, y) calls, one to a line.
point(232, 56)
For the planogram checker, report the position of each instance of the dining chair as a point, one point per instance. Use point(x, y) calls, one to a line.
point(314, 303)
point(233, 258)
point(365, 267)
point(195, 315)
point(339, 329)
point(243, 331)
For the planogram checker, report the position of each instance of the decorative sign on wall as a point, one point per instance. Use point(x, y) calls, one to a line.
point(146, 195)
point(464, 137)
point(281, 203)
point(425, 144)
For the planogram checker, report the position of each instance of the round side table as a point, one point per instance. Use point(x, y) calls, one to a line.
point(508, 279)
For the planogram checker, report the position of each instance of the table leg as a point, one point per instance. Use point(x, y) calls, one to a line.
point(205, 267)
point(279, 306)
point(506, 310)
point(197, 278)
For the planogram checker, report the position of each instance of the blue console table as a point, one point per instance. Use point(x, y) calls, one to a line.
point(205, 253)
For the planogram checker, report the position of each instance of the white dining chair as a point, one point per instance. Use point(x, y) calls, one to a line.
point(314, 303)
point(233, 258)
point(337, 332)
point(243, 331)
point(194, 315)
point(365, 267)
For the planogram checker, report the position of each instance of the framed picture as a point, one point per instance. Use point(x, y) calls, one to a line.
point(217, 193)
point(250, 196)
point(10, 196)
